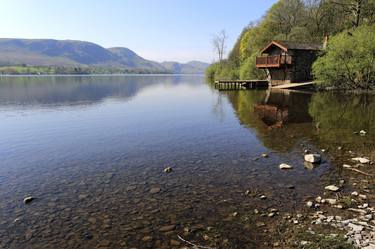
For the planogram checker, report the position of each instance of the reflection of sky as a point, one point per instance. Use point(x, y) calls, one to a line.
point(175, 117)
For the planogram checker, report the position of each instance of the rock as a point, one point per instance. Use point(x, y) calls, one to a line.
point(174, 242)
point(332, 188)
point(146, 238)
point(167, 228)
point(87, 236)
point(355, 228)
point(291, 187)
point(154, 190)
point(313, 158)
point(168, 170)
point(234, 214)
point(331, 201)
point(263, 197)
point(272, 214)
point(318, 199)
point(285, 166)
point(260, 224)
point(363, 197)
point(362, 132)
point(355, 193)
point(362, 160)
point(346, 166)
point(28, 199)
point(256, 211)
point(309, 204)
point(265, 155)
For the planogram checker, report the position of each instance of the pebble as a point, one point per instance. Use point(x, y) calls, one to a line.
point(174, 242)
point(332, 188)
point(167, 228)
point(331, 201)
point(313, 158)
point(28, 199)
point(265, 155)
point(154, 190)
point(285, 166)
point(263, 197)
point(362, 160)
point(168, 170)
point(309, 204)
point(355, 193)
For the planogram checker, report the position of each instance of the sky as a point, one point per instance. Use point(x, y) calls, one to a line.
point(160, 30)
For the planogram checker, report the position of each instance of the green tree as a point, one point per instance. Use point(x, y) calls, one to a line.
point(349, 61)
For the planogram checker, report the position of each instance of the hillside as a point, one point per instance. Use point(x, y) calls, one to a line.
point(192, 67)
point(70, 53)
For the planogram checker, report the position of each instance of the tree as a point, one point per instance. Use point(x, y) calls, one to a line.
point(349, 61)
point(219, 43)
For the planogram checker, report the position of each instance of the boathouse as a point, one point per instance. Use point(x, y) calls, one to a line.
point(288, 62)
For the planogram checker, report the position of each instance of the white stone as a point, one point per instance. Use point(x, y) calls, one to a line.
point(362, 132)
point(332, 188)
point(285, 166)
point(313, 158)
point(346, 166)
point(309, 204)
point(355, 228)
point(318, 199)
point(362, 160)
point(355, 193)
point(331, 201)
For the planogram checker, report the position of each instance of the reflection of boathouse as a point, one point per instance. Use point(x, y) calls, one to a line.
point(282, 107)
point(288, 62)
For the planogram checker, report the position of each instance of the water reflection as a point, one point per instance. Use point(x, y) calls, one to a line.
point(92, 169)
point(78, 90)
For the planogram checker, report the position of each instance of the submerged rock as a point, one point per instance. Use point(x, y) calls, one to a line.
point(309, 204)
point(332, 188)
point(167, 228)
point(28, 199)
point(168, 170)
point(154, 190)
point(313, 158)
point(285, 166)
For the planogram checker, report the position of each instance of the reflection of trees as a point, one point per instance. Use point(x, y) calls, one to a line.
point(75, 90)
point(339, 115)
point(281, 119)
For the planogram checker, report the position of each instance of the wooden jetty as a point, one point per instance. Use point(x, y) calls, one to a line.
point(240, 84)
point(302, 85)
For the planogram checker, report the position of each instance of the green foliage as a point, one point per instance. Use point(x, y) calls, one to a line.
point(349, 61)
point(224, 70)
point(249, 71)
point(303, 21)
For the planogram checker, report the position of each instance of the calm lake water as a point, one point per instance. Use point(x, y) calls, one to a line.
point(91, 150)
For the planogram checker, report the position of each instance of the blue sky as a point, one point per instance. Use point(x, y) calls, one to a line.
point(160, 30)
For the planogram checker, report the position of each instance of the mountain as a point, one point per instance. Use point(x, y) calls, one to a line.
point(192, 67)
point(70, 53)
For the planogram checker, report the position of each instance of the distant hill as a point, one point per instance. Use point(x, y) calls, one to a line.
point(192, 67)
point(69, 53)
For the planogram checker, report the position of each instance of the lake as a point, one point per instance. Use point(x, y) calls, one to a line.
point(91, 151)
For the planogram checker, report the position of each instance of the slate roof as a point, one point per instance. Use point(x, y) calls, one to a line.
point(287, 45)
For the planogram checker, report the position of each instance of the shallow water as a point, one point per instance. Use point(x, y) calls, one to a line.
point(89, 150)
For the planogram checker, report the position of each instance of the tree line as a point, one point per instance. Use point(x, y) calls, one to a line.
point(347, 22)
